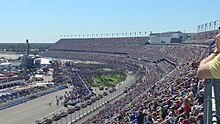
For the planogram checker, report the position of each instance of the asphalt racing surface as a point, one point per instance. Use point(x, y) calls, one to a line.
point(29, 112)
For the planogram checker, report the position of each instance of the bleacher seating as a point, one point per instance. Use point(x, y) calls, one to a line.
point(202, 37)
point(156, 97)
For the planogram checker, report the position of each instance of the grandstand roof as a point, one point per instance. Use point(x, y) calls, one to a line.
point(172, 32)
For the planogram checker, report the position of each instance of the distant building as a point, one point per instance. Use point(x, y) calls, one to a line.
point(168, 37)
point(33, 61)
point(38, 77)
point(42, 62)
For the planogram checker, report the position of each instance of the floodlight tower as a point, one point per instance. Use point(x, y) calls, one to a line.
point(28, 48)
point(25, 59)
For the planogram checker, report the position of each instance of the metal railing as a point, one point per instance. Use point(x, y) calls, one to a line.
point(212, 101)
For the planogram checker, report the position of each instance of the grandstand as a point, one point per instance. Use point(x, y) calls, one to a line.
point(165, 66)
point(203, 37)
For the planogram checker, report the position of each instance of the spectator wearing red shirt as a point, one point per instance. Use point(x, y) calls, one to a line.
point(185, 121)
point(187, 108)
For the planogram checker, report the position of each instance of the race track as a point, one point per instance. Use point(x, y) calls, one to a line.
point(29, 112)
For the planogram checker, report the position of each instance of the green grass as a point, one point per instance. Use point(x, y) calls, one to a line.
point(104, 69)
point(80, 62)
point(85, 62)
point(107, 80)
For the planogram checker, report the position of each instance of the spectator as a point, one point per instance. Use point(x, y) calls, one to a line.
point(210, 66)
point(200, 119)
point(185, 121)
point(140, 118)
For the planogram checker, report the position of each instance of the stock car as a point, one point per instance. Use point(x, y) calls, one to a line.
point(77, 108)
point(63, 114)
point(105, 93)
point(97, 97)
point(83, 105)
point(101, 88)
point(72, 103)
point(70, 110)
point(111, 91)
point(45, 121)
point(93, 99)
point(89, 102)
point(56, 117)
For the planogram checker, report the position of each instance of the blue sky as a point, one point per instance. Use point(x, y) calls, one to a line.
point(45, 21)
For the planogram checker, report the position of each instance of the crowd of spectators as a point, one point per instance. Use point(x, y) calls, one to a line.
point(202, 37)
point(175, 53)
point(79, 77)
point(88, 56)
point(9, 94)
point(93, 44)
point(177, 97)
